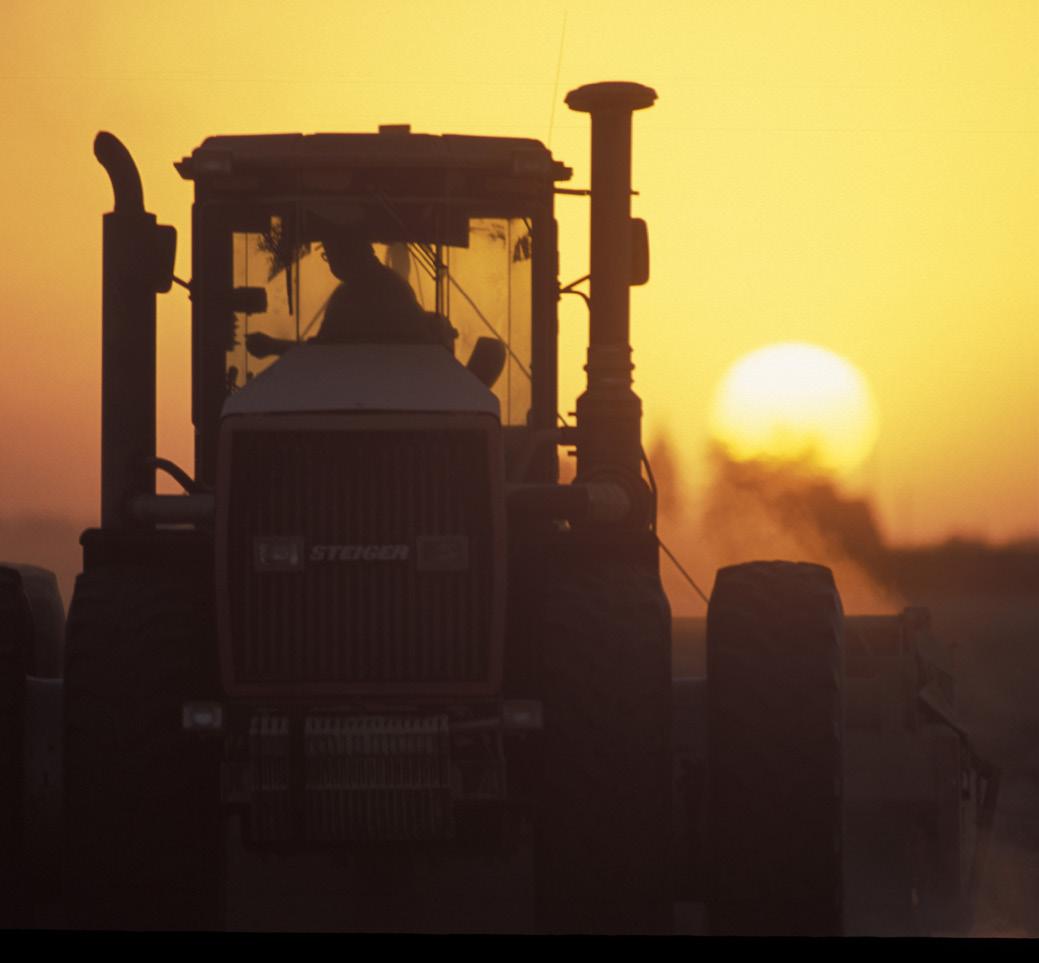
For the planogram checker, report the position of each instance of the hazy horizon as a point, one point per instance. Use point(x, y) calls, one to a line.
point(744, 511)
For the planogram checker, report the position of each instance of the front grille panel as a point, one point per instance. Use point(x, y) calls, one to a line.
point(377, 778)
point(347, 621)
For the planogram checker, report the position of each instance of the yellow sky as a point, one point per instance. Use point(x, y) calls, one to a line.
point(861, 175)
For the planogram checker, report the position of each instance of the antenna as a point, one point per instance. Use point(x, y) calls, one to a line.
point(555, 89)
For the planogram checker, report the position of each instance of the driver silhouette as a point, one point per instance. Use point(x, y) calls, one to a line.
point(373, 304)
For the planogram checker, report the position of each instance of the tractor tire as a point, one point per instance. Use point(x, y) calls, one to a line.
point(16, 634)
point(47, 645)
point(142, 799)
point(775, 732)
point(602, 837)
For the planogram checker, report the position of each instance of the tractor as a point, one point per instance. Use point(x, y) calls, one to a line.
point(376, 667)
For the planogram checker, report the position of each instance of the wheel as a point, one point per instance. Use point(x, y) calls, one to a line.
point(142, 801)
point(775, 724)
point(47, 639)
point(16, 633)
point(603, 832)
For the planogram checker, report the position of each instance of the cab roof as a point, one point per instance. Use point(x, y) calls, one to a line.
point(392, 147)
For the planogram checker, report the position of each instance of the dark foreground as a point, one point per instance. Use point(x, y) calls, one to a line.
point(997, 642)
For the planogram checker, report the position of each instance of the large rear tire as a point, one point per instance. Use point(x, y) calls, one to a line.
point(32, 638)
point(142, 800)
point(16, 634)
point(44, 655)
point(775, 722)
point(603, 833)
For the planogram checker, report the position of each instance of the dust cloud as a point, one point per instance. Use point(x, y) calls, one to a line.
point(770, 510)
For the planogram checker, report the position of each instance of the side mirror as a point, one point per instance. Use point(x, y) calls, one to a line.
point(488, 360)
point(639, 251)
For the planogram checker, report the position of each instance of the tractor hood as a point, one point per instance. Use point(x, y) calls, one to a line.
point(363, 377)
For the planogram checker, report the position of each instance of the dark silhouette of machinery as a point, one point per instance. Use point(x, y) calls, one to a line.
point(376, 648)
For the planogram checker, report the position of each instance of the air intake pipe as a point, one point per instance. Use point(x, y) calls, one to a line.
point(609, 413)
point(137, 263)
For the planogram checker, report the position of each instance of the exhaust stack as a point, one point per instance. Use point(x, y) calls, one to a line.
point(609, 413)
point(137, 264)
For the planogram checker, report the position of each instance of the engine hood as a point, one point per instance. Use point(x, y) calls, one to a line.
point(363, 377)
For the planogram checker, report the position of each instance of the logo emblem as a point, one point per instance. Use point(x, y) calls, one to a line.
point(277, 553)
point(442, 553)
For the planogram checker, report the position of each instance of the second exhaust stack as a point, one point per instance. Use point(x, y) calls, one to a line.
point(609, 413)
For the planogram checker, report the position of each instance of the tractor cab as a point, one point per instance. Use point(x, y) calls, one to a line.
point(464, 223)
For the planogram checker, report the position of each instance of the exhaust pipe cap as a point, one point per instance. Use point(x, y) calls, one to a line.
point(611, 95)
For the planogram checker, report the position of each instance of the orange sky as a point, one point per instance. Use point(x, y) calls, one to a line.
point(861, 175)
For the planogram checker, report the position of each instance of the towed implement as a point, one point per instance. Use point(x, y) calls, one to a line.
point(376, 668)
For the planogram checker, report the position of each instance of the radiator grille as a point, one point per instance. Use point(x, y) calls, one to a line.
point(377, 778)
point(384, 619)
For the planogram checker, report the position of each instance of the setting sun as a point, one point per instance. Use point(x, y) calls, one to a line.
point(796, 402)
